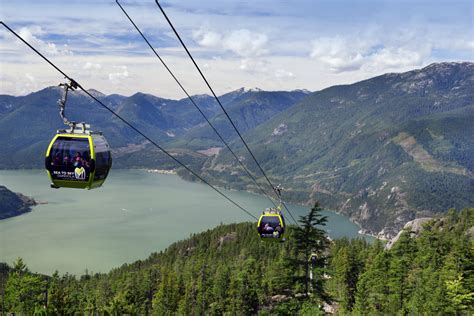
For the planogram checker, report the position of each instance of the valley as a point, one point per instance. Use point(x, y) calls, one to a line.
point(382, 151)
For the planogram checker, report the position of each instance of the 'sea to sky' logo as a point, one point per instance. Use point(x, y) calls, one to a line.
point(80, 173)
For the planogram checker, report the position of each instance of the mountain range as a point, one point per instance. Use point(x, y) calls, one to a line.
point(384, 150)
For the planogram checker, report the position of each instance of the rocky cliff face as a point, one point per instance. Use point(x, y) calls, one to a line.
point(414, 227)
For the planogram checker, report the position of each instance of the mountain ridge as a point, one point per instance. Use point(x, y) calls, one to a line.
point(383, 151)
point(353, 149)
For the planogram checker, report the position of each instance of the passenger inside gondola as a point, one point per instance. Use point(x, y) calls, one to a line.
point(66, 160)
point(277, 231)
point(69, 153)
point(57, 160)
point(270, 227)
point(77, 160)
point(85, 159)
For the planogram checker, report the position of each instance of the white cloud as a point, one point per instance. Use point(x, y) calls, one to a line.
point(461, 43)
point(253, 65)
point(284, 74)
point(239, 47)
point(118, 76)
point(339, 54)
point(251, 47)
point(393, 58)
point(373, 53)
point(91, 66)
point(30, 77)
point(28, 84)
point(243, 42)
point(27, 33)
point(246, 44)
point(207, 38)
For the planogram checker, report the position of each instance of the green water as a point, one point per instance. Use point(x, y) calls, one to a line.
point(134, 214)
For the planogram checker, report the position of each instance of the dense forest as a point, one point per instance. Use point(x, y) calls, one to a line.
point(229, 271)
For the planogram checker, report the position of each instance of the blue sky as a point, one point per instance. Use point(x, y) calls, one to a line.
point(270, 44)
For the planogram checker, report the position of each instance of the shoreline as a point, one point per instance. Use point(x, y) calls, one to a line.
point(362, 231)
point(158, 171)
point(24, 203)
point(148, 178)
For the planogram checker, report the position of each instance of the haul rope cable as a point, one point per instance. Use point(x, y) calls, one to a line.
point(195, 105)
point(127, 123)
point(222, 107)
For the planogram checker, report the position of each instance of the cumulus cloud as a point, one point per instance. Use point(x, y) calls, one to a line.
point(250, 46)
point(338, 53)
point(208, 38)
point(243, 42)
point(396, 58)
point(118, 76)
point(341, 54)
point(246, 43)
point(284, 51)
point(30, 34)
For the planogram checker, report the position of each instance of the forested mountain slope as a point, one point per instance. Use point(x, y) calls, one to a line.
point(248, 108)
point(383, 150)
point(228, 270)
point(27, 123)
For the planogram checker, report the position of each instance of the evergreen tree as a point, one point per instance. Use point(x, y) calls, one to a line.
point(311, 245)
point(166, 300)
point(220, 290)
point(203, 284)
point(458, 296)
point(372, 288)
point(279, 276)
point(346, 274)
point(55, 294)
point(73, 293)
point(403, 255)
point(104, 293)
point(24, 291)
point(244, 300)
point(4, 270)
point(187, 304)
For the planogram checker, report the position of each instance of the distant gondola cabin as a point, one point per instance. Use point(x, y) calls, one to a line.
point(271, 226)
